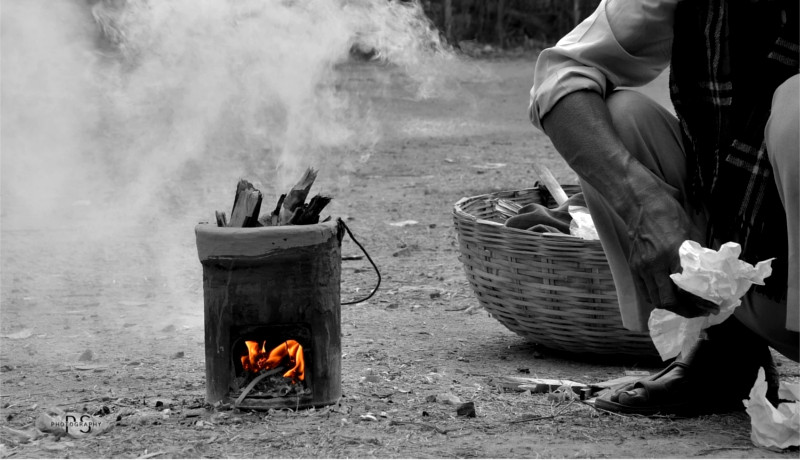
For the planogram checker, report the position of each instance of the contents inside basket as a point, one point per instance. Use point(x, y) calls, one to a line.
point(570, 217)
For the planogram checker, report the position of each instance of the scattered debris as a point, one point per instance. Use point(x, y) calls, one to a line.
point(371, 377)
point(537, 385)
point(404, 223)
point(448, 398)
point(52, 422)
point(423, 425)
point(563, 393)
point(89, 367)
point(471, 310)
point(154, 454)
point(405, 251)
point(466, 410)
point(23, 334)
point(87, 355)
point(15, 436)
point(490, 166)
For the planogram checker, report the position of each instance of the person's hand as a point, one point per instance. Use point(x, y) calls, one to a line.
point(656, 233)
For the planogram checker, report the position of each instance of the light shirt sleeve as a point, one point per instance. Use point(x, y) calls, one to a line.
point(623, 43)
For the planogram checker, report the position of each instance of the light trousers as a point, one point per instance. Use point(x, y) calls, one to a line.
point(652, 135)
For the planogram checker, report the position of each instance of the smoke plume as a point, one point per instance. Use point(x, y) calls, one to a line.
point(116, 99)
point(111, 108)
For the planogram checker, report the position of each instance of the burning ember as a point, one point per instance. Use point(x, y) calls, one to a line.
point(287, 354)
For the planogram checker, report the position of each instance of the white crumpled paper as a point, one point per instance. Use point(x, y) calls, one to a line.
point(582, 224)
point(717, 276)
point(774, 427)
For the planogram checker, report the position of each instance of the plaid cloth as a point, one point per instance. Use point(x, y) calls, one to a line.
point(728, 58)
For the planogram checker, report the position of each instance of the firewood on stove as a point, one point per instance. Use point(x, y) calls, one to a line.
point(296, 215)
point(271, 219)
point(222, 219)
point(246, 206)
point(310, 212)
point(297, 195)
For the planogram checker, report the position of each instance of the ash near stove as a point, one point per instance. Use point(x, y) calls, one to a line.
point(272, 314)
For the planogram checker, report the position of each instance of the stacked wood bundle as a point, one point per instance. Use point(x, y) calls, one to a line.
point(291, 208)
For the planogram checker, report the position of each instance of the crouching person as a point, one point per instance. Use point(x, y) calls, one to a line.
point(724, 169)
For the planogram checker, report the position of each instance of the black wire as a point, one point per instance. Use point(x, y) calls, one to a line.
point(347, 229)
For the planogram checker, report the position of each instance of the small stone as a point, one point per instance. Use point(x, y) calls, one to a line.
point(466, 410)
point(87, 355)
point(448, 398)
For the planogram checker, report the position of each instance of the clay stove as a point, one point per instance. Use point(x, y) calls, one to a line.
point(272, 307)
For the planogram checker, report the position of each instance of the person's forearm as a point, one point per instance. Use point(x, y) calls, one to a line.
point(580, 128)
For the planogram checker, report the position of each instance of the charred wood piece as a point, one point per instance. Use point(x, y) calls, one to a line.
point(246, 206)
point(297, 196)
point(309, 213)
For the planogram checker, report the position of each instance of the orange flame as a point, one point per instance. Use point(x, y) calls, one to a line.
point(288, 353)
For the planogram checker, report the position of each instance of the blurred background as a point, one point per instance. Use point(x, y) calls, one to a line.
point(507, 23)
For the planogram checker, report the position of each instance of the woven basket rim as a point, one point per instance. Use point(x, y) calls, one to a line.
point(459, 212)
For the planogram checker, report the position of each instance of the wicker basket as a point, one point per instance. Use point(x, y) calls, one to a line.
point(554, 290)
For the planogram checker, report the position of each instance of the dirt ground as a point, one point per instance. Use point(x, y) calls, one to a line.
point(108, 318)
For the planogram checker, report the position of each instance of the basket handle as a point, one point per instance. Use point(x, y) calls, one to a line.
point(550, 183)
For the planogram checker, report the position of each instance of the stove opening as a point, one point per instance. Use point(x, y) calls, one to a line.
point(272, 366)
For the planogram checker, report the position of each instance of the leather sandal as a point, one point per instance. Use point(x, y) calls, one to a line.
point(714, 377)
point(656, 394)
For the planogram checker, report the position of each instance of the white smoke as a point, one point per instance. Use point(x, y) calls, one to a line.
point(116, 99)
point(111, 109)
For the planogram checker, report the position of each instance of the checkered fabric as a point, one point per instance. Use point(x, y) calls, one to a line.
point(728, 58)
